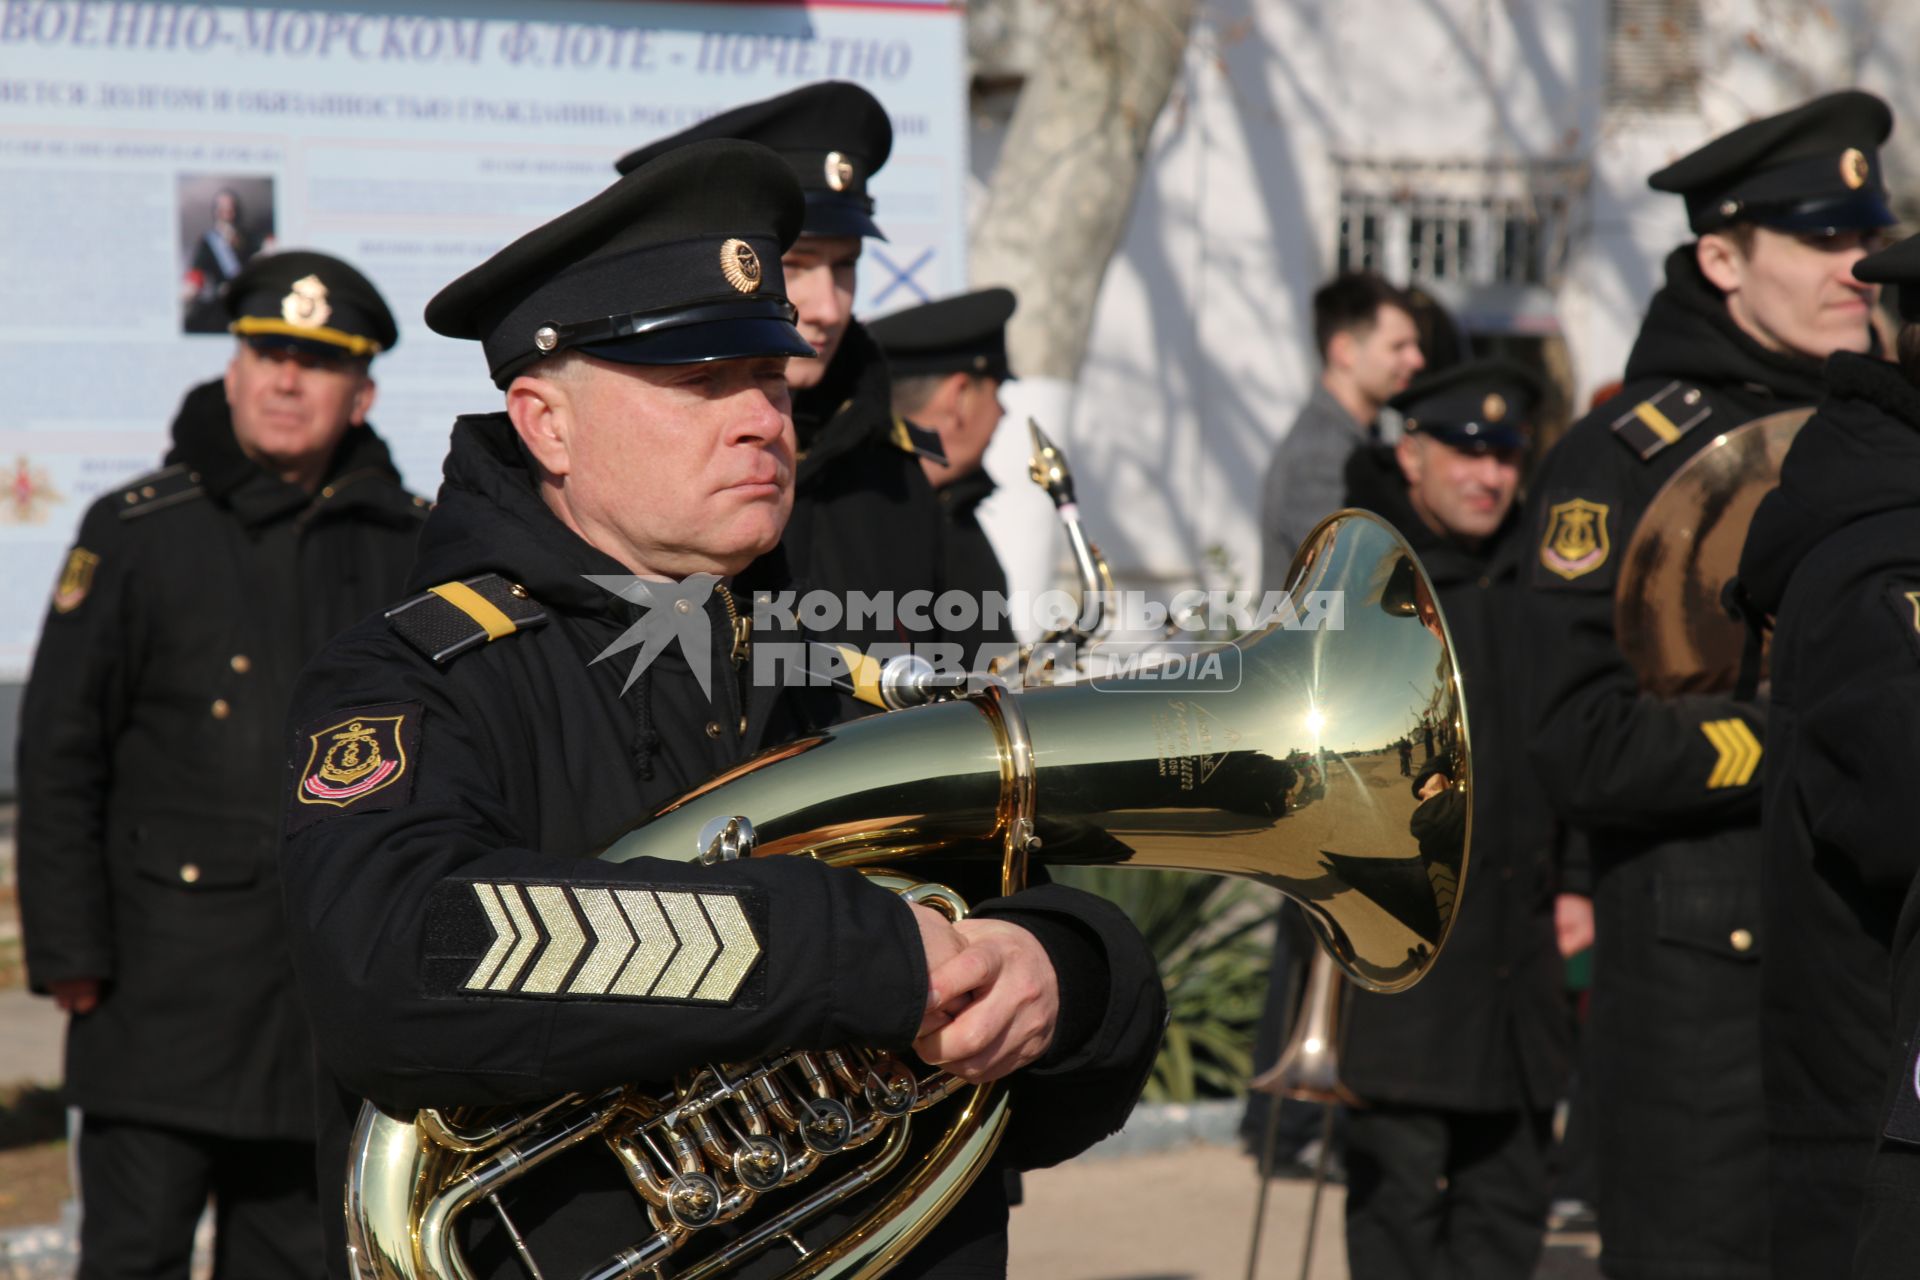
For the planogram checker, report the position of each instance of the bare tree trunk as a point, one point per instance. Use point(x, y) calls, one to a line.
point(1064, 184)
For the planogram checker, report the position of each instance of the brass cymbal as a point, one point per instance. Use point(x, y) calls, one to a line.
point(1667, 615)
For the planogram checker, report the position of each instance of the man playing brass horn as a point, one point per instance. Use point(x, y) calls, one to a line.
point(456, 940)
point(1667, 789)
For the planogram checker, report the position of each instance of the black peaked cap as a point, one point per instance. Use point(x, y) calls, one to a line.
point(677, 262)
point(1898, 266)
point(834, 134)
point(312, 301)
point(962, 334)
point(1482, 404)
point(1813, 168)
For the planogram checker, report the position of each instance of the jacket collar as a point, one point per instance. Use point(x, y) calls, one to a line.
point(203, 439)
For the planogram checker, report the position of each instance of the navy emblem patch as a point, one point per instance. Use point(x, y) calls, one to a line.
point(76, 579)
point(1575, 542)
point(354, 758)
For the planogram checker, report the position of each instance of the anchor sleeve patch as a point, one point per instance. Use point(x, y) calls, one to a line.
point(596, 941)
point(76, 579)
point(356, 761)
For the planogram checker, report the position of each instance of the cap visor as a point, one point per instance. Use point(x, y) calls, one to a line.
point(1470, 440)
point(831, 215)
point(305, 346)
point(1861, 211)
point(698, 343)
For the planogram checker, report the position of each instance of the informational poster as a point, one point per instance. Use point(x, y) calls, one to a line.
point(147, 150)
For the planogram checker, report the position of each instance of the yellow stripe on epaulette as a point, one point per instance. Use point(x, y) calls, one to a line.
point(165, 488)
point(1662, 419)
point(454, 617)
point(909, 437)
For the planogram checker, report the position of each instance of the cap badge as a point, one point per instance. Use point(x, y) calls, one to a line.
point(1854, 169)
point(306, 303)
point(740, 265)
point(839, 171)
point(1494, 407)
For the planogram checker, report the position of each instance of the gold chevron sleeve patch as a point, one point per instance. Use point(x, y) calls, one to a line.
point(1737, 750)
point(561, 941)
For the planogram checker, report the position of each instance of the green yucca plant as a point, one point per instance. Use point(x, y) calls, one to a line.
point(1212, 940)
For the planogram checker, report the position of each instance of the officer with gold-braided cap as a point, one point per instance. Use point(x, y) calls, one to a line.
point(150, 777)
point(1665, 788)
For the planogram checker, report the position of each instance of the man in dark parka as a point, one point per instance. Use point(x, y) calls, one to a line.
point(1665, 791)
point(1833, 558)
point(948, 359)
point(150, 778)
point(1457, 1078)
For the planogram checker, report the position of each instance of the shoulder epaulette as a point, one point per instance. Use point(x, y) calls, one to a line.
point(446, 621)
point(167, 487)
point(1662, 419)
point(910, 437)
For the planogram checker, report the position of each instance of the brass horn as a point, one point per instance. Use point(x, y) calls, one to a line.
point(1272, 760)
point(1667, 613)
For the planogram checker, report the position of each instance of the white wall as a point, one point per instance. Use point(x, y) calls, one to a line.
point(1202, 346)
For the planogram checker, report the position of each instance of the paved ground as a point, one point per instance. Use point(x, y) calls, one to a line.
point(1188, 1215)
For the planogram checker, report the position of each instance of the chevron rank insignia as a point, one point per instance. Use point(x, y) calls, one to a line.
point(1661, 419)
point(1738, 752)
point(617, 941)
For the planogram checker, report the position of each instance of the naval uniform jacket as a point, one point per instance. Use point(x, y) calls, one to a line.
point(1666, 791)
point(1487, 1029)
point(150, 768)
point(1834, 557)
point(521, 758)
point(864, 517)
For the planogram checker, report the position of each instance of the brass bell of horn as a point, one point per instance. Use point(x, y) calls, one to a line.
point(1272, 759)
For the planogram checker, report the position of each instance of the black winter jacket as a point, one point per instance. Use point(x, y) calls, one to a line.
point(1834, 556)
point(864, 516)
point(1665, 792)
point(523, 759)
point(1487, 1029)
point(150, 767)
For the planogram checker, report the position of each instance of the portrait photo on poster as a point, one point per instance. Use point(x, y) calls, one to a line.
point(225, 219)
